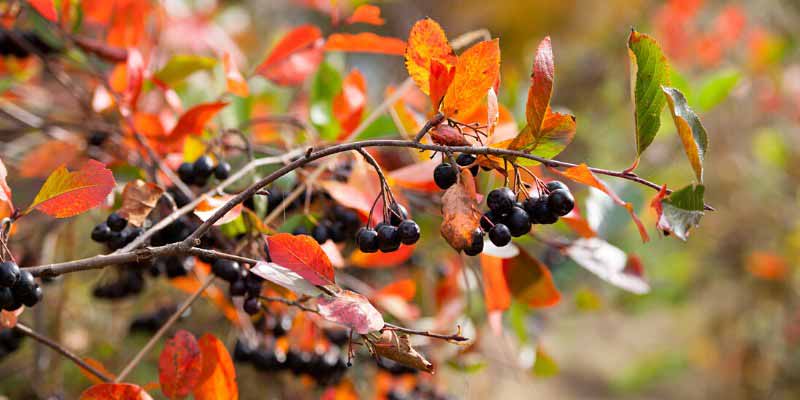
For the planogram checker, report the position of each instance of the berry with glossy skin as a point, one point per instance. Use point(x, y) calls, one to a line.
point(409, 232)
point(222, 171)
point(186, 173)
point(25, 287)
point(237, 288)
point(9, 273)
point(367, 240)
point(541, 212)
point(476, 245)
point(488, 220)
point(397, 214)
point(203, 167)
point(228, 270)
point(253, 284)
point(251, 305)
point(336, 231)
point(6, 298)
point(320, 233)
point(465, 159)
point(500, 235)
point(560, 202)
point(445, 175)
point(116, 222)
point(518, 222)
point(101, 233)
point(388, 238)
point(555, 185)
point(32, 297)
point(501, 200)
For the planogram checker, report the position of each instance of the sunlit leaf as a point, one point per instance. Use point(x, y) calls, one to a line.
point(218, 376)
point(365, 42)
point(301, 254)
point(115, 391)
point(348, 105)
point(209, 205)
point(427, 42)
point(180, 66)
point(690, 129)
point(45, 8)
point(477, 70)
point(179, 365)
point(195, 119)
point(234, 80)
point(382, 260)
point(66, 194)
point(366, 14)
point(542, 76)
point(649, 71)
point(296, 56)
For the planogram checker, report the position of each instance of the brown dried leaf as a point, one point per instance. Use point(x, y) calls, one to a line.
point(138, 199)
point(396, 347)
point(460, 212)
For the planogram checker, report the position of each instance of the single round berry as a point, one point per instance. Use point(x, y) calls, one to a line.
point(32, 297)
point(336, 231)
point(397, 214)
point(476, 244)
point(237, 288)
point(25, 286)
point(6, 299)
point(541, 212)
point(101, 233)
point(228, 270)
point(388, 238)
point(222, 170)
point(252, 305)
point(9, 273)
point(253, 284)
point(500, 235)
point(320, 233)
point(445, 175)
point(186, 173)
point(555, 185)
point(465, 159)
point(501, 200)
point(528, 204)
point(367, 240)
point(203, 167)
point(518, 222)
point(409, 232)
point(560, 202)
point(116, 222)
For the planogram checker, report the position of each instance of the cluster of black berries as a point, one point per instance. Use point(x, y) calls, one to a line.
point(97, 138)
point(9, 46)
point(242, 283)
point(150, 322)
point(198, 172)
point(337, 225)
point(10, 340)
point(388, 235)
point(17, 287)
point(115, 232)
point(445, 174)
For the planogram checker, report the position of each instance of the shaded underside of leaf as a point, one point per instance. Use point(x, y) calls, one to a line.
point(681, 211)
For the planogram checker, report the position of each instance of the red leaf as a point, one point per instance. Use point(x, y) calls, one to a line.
point(427, 42)
point(352, 310)
point(301, 254)
point(46, 8)
point(578, 224)
point(366, 14)
point(541, 85)
point(195, 119)
point(135, 74)
point(180, 365)
point(115, 391)
point(234, 80)
point(296, 56)
point(6, 205)
point(382, 260)
point(478, 69)
point(348, 105)
point(218, 377)
point(365, 42)
point(441, 78)
point(65, 194)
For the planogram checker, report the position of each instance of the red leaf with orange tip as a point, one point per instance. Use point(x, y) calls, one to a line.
point(45, 8)
point(66, 194)
point(478, 69)
point(301, 254)
point(348, 105)
point(365, 42)
point(195, 119)
point(218, 376)
point(115, 391)
point(180, 365)
point(427, 42)
point(296, 56)
point(366, 14)
point(234, 80)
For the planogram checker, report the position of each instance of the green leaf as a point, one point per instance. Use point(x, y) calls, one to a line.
point(681, 211)
point(649, 71)
point(716, 88)
point(179, 67)
point(690, 129)
point(327, 83)
point(544, 365)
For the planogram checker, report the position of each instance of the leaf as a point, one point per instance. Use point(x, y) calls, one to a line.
point(579, 224)
point(6, 203)
point(98, 366)
point(556, 134)
point(477, 70)
point(607, 262)
point(66, 194)
point(690, 129)
point(649, 71)
point(295, 57)
point(209, 205)
point(405, 289)
point(138, 199)
point(45, 8)
point(582, 174)
point(180, 66)
point(679, 212)
point(396, 346)
point(460, 214)
point(382, 260)
point(115, 391)
point(426, 43)
point(366, 14)
point(365, 42)
point(326, 85)
point(179, 365)
point(415, 176)
point(218, 377)
point(544, 365)
point(441, 76)
point(134, 71)
point(195, 119)
point(46, 157)
point(716, 88)
point(541, 88)
point(348, 104)
point(234, 81)
point(496, 294)
point(8, 319)
point(351, 310)
point(301, 254)
point(285, 277)
point(530, 281)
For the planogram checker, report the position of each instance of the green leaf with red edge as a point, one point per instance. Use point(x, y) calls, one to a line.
point(296, 56)
point(66, 194)
point(477, 70)
point(180, 365)
point(348, 105)
point(351, 310)
point(690, 129)
point(649, 72)
point(609, 263)
point(115, 391)
point(218, 376)
point(366, 14)
point(582, 174)
point(365, 42)
point(427, 42)
point(529, 281)
point(195, 119)
point(301, 254)
point(6, 203)
point(45, 8)
point(679, 212)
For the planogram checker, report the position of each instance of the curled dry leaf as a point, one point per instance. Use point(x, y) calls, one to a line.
point(460, 212)
point(138, 199)
point(447, 135)
point(352, 310)
point(397, 347)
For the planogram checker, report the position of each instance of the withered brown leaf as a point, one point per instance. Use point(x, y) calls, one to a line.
point(460, 212)
point(138, 199)
point(396, 347)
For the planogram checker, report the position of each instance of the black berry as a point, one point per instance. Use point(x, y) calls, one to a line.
point(500, 235)
point(222, 170)
point(97, 138)
point(409, 232)
point(25, 286)
point(476, 244)
point(445, 175)
point(397, 214)
point(555, 185)
point(32, 297)
point(186, 173)
point(518, 222)
point(252, 305)
point(465, 159)
point(6, 299)
point(9, 273)
point(560, 202)
point(367, 240)
point(237, 288)
point(101, 233)
point(116, 222)
point(202, 168)
point(388, 238)
point(228, 270)
point(320, 233)
point(501, 200)
point(541, 212)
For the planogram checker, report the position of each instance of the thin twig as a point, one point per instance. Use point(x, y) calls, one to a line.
point(62, 350)
point(455, 337)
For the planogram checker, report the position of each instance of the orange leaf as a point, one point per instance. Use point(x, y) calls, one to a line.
point(42, 160)
point(209, 205)
point(193, 120)
point(530, 281)
point(98, 366)
point(66, 194)
point(577, 223)
point(416, 176)
point(296, 56)
point(541, 85)
point(233, 78)
point(366, 14)
point(138, 199)
point(45, 8)
point(495, 289)
point(301, 254)
point(218, 377)
point(478, 69)
point(441, 78)
point(6, 205)
point(767, 266)
point(365, 42)
point(381, 260)
point(180, 365)
point(405, 289)
point(348, 105)
point(348, 196)
point(582, 174)
point(115, 391)
point(8, 319)
point(460, 215)
point(128, 23)
point(135, 74)
point(427, 42)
